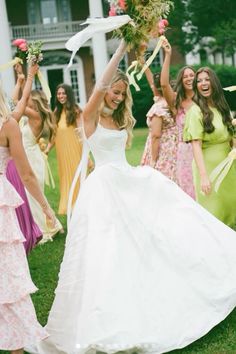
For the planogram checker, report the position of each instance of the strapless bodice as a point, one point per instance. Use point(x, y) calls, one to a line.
point(108, 146)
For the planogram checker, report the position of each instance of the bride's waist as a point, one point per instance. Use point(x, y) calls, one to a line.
point(118, 163)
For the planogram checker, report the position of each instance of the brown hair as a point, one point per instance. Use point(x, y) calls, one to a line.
point(218, 100)
point(179, 87)
point(72, 109)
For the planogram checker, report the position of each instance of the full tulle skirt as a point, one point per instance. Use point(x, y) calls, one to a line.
point(145, 268)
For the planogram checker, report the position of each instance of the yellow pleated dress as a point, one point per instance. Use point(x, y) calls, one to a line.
point(69, 151)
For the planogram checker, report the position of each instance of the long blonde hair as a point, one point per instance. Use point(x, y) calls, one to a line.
point(4, 109)
point(41, 104)
point(123, 114)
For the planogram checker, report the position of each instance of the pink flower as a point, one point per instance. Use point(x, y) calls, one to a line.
point(162, 26)
point(23, 47)
point(112, 11)
point(17, 42)
point(122, 4)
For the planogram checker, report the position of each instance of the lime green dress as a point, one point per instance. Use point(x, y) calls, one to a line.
point(215, 147)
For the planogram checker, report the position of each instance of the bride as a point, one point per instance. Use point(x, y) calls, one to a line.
point(145, 269)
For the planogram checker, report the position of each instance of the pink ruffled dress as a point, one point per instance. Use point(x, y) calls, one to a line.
point(18, 323)
point(184, 158)
point(166, 162)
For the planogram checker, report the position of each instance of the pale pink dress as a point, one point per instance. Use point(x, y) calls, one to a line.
point(184, 158)
point(166, 162)
point(18, 323)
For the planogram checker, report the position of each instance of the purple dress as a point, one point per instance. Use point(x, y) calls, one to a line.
point(28, 227)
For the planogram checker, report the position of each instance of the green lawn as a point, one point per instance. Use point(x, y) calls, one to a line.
point(44, 262)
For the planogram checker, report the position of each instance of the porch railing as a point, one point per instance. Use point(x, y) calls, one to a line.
point(48, 31)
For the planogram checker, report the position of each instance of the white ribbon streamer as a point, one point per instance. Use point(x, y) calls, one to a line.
point(230, 88)
point(81, 173)
point(221, 171)
point(95, 25)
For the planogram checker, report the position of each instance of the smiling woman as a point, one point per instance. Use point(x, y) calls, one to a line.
point(209, 128)
point(67, 143)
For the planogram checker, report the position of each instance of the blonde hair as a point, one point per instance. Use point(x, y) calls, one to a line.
point(41, 104)
point(4, 109)
point(123, 114)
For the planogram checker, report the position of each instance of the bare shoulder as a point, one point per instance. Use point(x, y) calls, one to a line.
point(11, 127)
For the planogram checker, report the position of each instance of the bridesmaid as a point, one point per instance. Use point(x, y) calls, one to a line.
point(28, 227)
point(179, 102)
point(37, 118)
point(67, 143)
point(18, 322)
point(209, 128)
point(160, 149)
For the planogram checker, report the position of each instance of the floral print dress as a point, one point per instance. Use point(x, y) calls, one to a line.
point(184, 158)
point(166, 162)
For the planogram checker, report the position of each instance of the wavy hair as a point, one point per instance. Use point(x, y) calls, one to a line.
point(41, 104)
point(218, 99)
point(179, 87)
point(72, 108)
point(4, 109)
point(123, 114)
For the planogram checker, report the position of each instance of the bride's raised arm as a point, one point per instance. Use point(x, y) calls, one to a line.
point(91, 110)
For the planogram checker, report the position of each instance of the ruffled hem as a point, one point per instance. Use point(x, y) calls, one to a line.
point(10, 231)
point(8, 195)
point(15, 279)
point(19, 326)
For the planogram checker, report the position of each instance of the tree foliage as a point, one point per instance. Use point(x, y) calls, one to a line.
point(192, 20)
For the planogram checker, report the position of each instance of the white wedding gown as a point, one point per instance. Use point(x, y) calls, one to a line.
point(145, 267)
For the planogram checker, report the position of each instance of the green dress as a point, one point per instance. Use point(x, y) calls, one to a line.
point(215, 147)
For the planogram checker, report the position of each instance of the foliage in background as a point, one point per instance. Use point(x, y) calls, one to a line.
point(192, 20)
point(225, 36)
point(210, 19)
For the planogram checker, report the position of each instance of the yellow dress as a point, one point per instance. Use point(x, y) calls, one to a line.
point(68, 150)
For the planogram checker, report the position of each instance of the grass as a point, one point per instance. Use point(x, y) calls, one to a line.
point(44, 262)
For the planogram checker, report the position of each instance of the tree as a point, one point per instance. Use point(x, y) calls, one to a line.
point(209, 18)
point(225, 37)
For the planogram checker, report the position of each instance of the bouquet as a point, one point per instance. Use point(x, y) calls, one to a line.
point(148, 19)
point(30, 52)
point(34, 55)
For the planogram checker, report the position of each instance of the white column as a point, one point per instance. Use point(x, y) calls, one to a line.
point(100, 57)
point(7, 76)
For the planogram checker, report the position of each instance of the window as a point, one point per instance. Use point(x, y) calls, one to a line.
point(75, 84)
point(156, 61)
point(48, 11)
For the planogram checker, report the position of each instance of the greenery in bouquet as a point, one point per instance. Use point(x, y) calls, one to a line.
point(146, 16)
point(34, 54)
